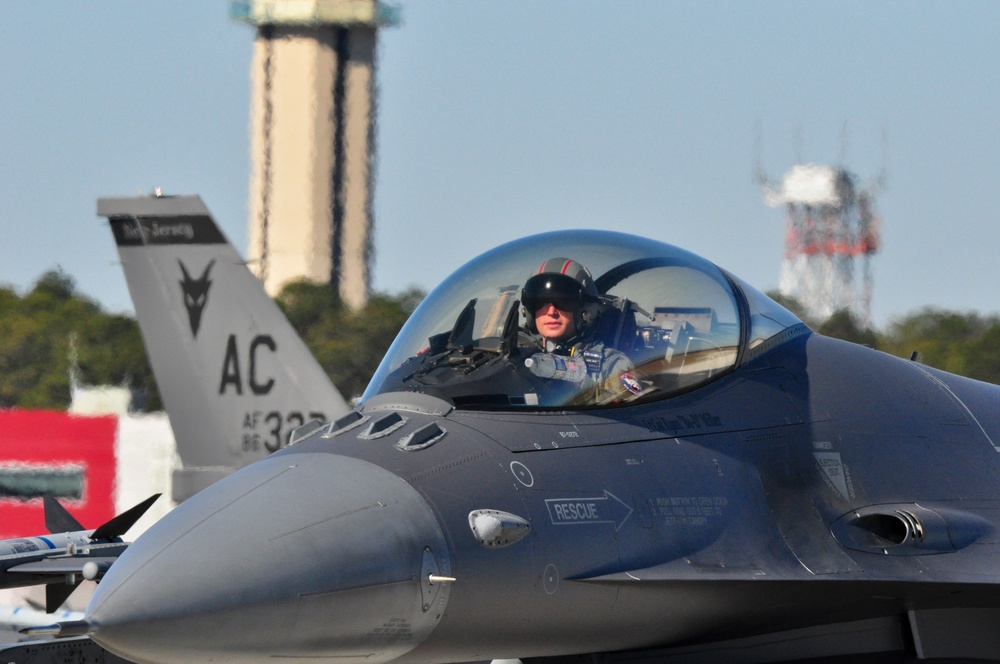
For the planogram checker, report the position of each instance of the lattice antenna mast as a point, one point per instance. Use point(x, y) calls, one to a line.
point(832, 228)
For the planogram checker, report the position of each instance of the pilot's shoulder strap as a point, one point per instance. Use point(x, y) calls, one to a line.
point(593, 356)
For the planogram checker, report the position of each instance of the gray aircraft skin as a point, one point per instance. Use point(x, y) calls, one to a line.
point(222, 352)
point(753, 492)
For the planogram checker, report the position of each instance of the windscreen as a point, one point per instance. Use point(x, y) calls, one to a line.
point(655, 321)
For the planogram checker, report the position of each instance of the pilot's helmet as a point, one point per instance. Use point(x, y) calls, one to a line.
point(566, 284)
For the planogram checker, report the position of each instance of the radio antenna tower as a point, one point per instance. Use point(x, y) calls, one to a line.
point(831, 235)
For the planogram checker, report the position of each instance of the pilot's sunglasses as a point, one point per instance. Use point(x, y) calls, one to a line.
point(562, 304)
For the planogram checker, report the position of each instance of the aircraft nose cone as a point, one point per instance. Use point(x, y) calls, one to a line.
point(298, 555)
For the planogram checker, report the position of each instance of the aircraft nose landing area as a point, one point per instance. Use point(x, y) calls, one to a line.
point(300, 554)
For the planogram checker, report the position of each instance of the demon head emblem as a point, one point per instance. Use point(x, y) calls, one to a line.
point(195, 294)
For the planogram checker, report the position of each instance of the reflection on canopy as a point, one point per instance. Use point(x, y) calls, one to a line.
point(676, 316)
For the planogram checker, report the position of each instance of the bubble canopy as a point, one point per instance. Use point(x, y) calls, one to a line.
point(678, 319)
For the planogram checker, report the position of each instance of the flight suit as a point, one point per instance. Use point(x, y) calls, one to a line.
point(605, 365)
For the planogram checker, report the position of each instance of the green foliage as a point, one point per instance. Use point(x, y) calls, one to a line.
point(967, 344)
point(964, 343)
point(348, 344)
point(37, 336)
point(42, 330)
point(844, 325)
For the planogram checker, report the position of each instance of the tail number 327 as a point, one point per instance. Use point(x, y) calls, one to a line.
point(271, 430)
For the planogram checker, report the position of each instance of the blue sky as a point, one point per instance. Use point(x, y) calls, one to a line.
point(501, 119)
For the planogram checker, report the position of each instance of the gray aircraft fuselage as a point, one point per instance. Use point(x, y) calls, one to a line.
point(803, 482)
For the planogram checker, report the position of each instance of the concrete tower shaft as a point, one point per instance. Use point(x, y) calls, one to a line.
point(312, 143)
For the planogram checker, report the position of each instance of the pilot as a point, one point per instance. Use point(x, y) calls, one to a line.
point(561, 306)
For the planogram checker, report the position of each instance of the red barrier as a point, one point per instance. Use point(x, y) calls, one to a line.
point(71, 456)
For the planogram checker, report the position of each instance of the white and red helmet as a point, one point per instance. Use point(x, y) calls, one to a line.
point(566, 284)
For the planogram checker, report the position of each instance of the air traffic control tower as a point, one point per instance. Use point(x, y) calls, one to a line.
point(312, 130)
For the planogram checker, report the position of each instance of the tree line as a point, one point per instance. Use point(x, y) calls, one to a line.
point(964, 343)
point(53, 331)
point(51, 328)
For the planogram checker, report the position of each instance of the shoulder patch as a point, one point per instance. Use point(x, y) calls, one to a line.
point(630, 382)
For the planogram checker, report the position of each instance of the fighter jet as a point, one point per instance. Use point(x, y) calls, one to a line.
point(68, 554)
point(735, 487)
point(234, 376)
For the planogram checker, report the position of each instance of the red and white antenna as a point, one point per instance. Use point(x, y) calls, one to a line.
point(832, 232)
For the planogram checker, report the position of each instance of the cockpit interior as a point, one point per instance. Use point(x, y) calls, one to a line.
point(680, 320)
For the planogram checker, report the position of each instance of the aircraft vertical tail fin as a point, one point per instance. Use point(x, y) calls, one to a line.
point(234, 376)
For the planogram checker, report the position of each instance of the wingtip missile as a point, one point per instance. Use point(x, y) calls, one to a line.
point(68, 555)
